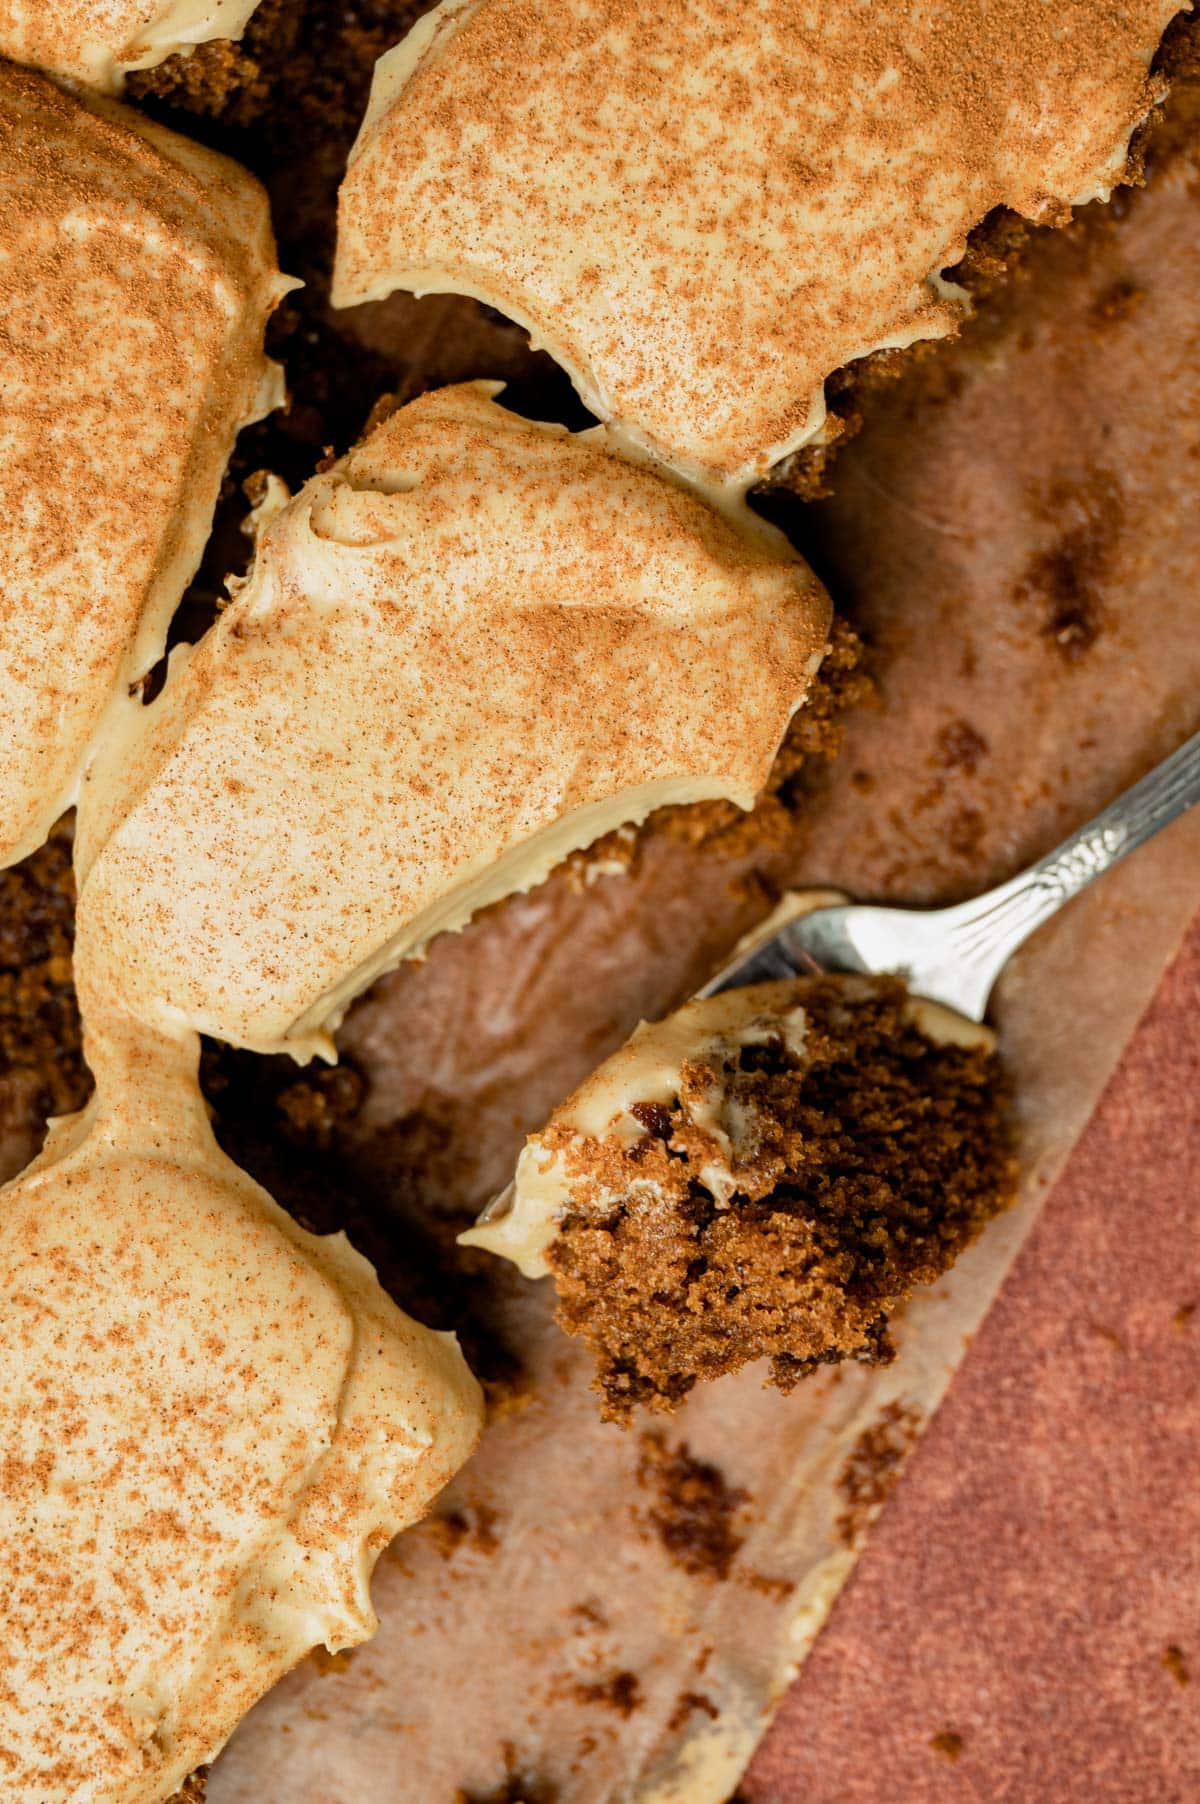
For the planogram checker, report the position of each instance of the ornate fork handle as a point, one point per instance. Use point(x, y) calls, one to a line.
point(954, 955)
point(987, 930)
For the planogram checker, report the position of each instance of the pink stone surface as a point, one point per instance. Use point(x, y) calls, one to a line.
point(1042, 1555)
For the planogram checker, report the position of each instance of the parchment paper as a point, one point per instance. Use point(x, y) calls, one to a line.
point(1020, 541)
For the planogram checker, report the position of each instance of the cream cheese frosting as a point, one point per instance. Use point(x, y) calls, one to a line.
point(468, 648)
point(703, 210)
point(137, 271)
point(211, 1422)
point(98, 42)
point(649, 1070)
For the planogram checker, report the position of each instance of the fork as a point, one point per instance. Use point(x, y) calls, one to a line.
point(954, 955)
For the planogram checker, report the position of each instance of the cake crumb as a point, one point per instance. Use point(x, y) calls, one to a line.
point(1104, 1333)
point(1175, 1661)
point(947, 1742)
point(473, 1527)
point(766, 1586)
point(694, 1508)
point(1118, 302)
point(961, 747)
point(1066, 581)
point(691, 1703)
point(517, 1786)
point(622, 1693)
point(873, 1466)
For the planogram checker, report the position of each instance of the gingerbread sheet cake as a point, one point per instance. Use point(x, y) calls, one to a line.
point(1007, 656)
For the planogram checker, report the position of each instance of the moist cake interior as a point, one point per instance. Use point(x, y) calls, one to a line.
point(869, 1160)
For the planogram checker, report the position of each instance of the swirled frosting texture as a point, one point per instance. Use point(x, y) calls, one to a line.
point(212, 1422)
point(137, 271)
point(703, 210)
point(99, 41)
point(471, 646)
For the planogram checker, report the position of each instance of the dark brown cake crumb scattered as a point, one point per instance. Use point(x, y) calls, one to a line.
point(622, 1693)
point(766, 1586)
point(689, 1704)
point(873, 1466)
point(517, 1786)
point(875, 1159)
point(947, 1742)
point(473, 1527)
point(694, 1508)
point(1119, 302)
point(1175, 1661)
point(508, 1793)
point(961, 747)
point(1065, 582)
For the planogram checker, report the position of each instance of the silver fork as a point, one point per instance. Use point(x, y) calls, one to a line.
point(954, 955)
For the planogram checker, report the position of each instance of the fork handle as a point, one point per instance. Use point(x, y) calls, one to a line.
point(954, 955)
point(988, 930)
